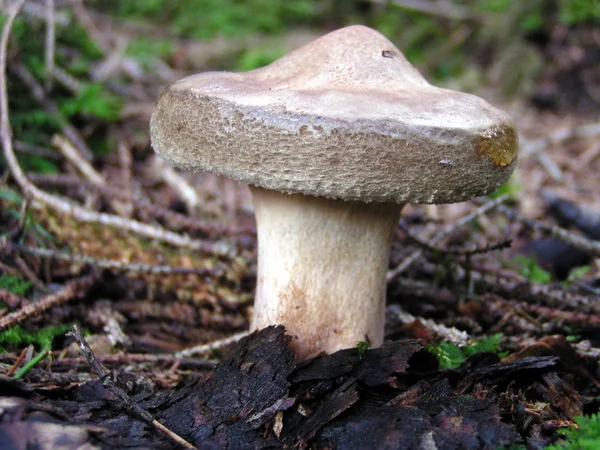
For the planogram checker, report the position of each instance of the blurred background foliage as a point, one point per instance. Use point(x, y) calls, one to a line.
point(544, 53)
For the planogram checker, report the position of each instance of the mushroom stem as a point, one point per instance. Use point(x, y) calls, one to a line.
point(322, 265)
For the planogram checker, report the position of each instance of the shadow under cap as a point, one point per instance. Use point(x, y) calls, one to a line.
point(345, 116)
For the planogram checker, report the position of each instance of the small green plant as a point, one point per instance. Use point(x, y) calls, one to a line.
point(253, 59)
point(147, 50)
point(586, 436)
point(576, 274)
point(362, 348)
point(511, 188)
point(92, 100)
point(18, 337)
point(205, 19)
point(450, 356)
point(34, 361)
point(579, 11)
point(530, 269)
point(14, 284)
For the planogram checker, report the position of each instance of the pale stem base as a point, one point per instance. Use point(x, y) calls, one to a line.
point(321, 269)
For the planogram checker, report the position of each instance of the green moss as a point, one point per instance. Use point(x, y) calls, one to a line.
point(528, 267)
point(205, 19)
point(511, 188)
point(42, 339)
point(92, 100)
point(14, 284)
point(147, 49)
point(579, 11)
point(451, 356)
point(362, 347)
point(253, 59)
point(586, 436)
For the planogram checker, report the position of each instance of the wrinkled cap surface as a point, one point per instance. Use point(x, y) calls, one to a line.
point(345, 116)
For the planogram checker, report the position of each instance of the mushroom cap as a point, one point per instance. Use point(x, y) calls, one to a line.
point(345, 116)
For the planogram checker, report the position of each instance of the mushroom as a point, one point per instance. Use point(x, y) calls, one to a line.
point(333, 139)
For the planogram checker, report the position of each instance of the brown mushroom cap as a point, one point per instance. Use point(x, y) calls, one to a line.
point(345, 116)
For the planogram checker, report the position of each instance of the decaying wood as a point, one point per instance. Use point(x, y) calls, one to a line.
point(257, 397)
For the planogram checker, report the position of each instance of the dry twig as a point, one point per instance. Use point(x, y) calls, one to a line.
point(26, 271)
point(578, 241)
point(73, 289)
point(184, 190)
point(11, 300)
point(72, 155)
point(125, 172)
point(448, 334)
point(101, 263)
point(512, 285)
point(18, 362)
point(143, 207)
point(50, 43)
point(35, 150)
point(142, 358)
point(410, 259)
point(211, 346)
point(571, 317)
point(109, 383)
point(458, 251)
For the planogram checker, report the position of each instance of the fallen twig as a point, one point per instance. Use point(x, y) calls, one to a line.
point(50, 43)
point(29, 274)
point(102, 263)
point(126, 176)
point(142, 358)
point(469, 250)
point(184, 190)
point(571, 317)
point(31, 364)
point(11, 300)
point(109, 383)
point(514, 285)
point(410, 259)
point(211, 346)
point(448, 334)
point(575, 240)
point(35, 150)
point(73, 289)
point(71, 154)
point(175, 219)
point(18, 362)
point(87, 22)
point(87, 170)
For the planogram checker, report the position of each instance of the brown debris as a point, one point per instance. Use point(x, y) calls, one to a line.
point(257, 398)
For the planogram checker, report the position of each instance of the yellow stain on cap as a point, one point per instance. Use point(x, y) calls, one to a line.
point(500, 145)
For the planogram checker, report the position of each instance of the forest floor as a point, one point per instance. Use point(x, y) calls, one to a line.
point(493, 317)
